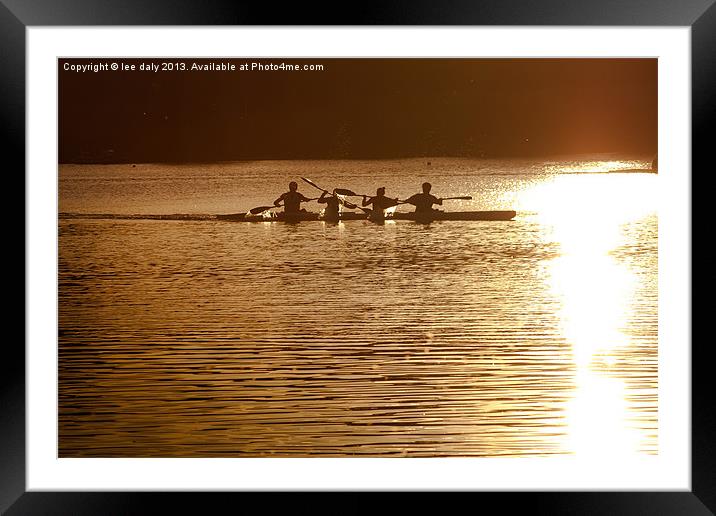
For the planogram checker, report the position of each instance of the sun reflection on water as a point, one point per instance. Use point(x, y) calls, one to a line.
point(596, 291)
point(598, 166)
point(597, 417)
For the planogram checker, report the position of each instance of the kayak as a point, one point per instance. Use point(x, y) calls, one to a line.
point(350, 215)
point(283, 217)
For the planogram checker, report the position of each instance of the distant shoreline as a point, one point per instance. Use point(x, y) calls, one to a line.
point(598, 156)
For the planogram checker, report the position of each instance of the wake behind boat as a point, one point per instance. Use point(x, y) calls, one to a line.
point(300, 217)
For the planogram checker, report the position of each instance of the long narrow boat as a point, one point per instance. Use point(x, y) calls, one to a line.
point(350, 215)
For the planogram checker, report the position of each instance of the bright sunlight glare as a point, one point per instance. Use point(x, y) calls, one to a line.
point(586, 220)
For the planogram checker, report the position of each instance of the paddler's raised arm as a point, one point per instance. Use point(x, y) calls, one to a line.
point(410, 200)
point(277, 202)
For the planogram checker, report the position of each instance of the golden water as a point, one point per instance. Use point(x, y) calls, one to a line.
point(203, 338)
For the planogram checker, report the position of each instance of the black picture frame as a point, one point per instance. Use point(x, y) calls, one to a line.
point(700, 15)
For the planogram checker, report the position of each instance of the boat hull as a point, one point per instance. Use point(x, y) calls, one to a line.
point(435, 216)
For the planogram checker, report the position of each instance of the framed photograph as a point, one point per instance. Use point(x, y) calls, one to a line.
point(429, 251)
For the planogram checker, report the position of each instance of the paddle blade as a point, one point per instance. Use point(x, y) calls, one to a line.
point(313, 184)
point(352, 206)
point(343, 191)
point(260, 209)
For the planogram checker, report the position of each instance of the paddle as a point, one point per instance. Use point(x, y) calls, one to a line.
point(350, 193)
point(261, 209)
point(314, 185)
point(343, 191)
point(354, 206)
point(463, 198)
point(339, 191)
